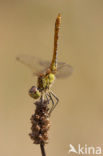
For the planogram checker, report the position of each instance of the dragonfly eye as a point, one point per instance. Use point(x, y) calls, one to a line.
point(34, 92)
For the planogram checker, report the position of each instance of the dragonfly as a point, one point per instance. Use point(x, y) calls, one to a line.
point(46, 71)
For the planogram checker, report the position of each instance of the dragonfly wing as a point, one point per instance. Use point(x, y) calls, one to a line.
point(36, 64)
point(63, 70)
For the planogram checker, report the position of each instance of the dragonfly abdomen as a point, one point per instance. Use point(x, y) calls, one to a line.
point(53, 65)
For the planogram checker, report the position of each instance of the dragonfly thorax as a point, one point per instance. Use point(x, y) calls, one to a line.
point(45, 81)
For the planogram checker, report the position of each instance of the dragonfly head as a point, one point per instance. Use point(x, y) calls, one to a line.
point(34, 92)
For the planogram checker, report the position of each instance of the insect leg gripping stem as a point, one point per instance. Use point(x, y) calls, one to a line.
point(53, 105)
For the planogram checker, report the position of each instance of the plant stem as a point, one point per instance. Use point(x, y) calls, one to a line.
point(41, 144)
point(42, 149)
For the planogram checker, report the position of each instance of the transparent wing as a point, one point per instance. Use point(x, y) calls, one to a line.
point(38, 66)
point(63, 70)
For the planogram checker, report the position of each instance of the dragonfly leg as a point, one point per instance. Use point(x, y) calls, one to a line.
point(53, 105)
point(51, 98)
point(57, 99)
point(48, 99)
point(49, 95)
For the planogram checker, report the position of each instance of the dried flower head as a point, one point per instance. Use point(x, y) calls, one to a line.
point(40, 123)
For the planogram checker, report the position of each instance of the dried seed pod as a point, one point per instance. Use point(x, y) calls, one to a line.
point(37, 116)
point(40, 123)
